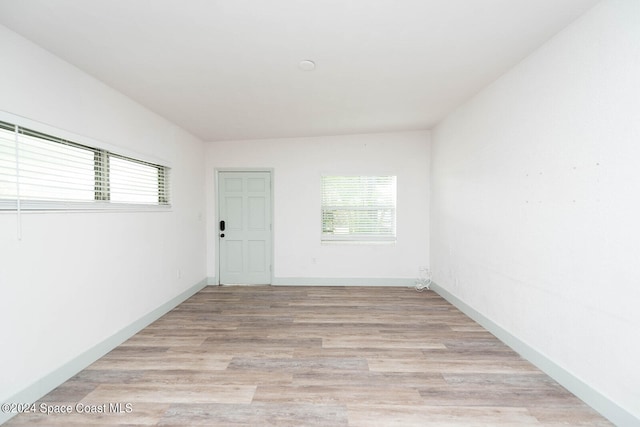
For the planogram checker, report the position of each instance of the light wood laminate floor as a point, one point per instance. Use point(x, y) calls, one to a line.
point(307, 356)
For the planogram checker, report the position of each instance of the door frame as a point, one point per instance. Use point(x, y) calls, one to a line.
point(216, 222)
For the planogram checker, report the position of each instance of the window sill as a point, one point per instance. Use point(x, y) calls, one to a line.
point(358, 242)
point(53, 207)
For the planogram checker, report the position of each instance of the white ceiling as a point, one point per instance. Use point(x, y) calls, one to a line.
point(228, 69)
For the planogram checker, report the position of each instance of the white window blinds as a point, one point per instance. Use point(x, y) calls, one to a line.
point(358, 208)
point(39, 171)
point(8, 188)
point(136, 182)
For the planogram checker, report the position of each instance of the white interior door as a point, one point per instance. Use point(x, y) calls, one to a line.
point(244, 227)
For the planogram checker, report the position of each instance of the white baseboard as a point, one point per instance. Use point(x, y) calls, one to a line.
point(44, 385)
point(333, 281)
point(605, 406)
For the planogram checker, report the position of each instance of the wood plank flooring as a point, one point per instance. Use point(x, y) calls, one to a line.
point(304, 356)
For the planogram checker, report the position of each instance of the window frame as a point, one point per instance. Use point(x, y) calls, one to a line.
point(359, 238)
point(101, 182)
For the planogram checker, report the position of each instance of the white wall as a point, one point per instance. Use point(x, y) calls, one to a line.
point(535, 201)
point(298, 164)
point(75, 279)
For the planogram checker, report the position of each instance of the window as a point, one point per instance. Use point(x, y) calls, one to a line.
point(40, 171)
point(359, 208)
point(131, 181)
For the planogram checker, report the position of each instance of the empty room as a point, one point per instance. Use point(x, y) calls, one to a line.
point(332, 213)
